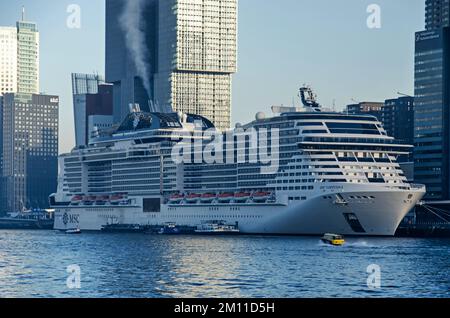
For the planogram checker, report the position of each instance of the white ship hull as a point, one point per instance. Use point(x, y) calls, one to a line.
point(378, 212)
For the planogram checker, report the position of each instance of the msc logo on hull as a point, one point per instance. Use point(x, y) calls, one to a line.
point(70, 218)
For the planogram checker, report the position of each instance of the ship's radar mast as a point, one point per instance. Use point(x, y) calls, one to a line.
point(309, 99)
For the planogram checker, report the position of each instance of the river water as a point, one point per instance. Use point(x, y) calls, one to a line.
point(36, 264)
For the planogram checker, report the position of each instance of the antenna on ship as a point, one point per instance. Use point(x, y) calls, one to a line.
point(309, 99)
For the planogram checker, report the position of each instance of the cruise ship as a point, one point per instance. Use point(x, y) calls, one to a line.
point(307, 172)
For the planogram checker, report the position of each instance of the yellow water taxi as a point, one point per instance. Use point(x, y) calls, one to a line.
point(333, 239)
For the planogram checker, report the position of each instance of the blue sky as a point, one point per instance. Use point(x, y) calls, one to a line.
point(282, 45)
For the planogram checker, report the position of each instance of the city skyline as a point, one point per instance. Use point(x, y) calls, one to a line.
point(372, 65)
point(172, 55)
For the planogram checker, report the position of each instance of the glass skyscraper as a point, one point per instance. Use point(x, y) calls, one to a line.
point(19, 58)
point(432, 103)
point(27, 58)
point(192, 54)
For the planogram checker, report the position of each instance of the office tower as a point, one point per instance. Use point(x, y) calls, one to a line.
point(437, 14)
point(398, 121)
point(30, 149)
point(27, 58)
point(366, 108)
point(19, 58)
point(8, 60)
point(2, 192)
point(186, 62)
point(431, 115)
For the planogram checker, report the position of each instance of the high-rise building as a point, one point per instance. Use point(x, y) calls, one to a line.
point(30, 150)
point(437, 14)
point(19, 58)
point(2, 188)
point(432, 112)
point(398, 121)
point(27, 58)
point(186, 62)
point(8, 60)
point(432, 102)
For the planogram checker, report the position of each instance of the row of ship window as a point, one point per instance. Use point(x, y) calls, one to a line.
point(295, 188)
point(215, 216)
point(298, 198)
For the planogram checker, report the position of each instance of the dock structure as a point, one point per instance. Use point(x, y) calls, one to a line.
point(429, 219)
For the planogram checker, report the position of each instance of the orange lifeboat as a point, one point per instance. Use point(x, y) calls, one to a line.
point(225, 197)
point(116, 199)
point(261, 196)
point(207, 197)
point(176, 198)
point(193, 198)
point(242, 196)
point(76, 200)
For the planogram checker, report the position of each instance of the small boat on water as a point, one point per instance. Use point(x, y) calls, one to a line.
point(28, 220)
point(217, 228)
point(73, 231)
point(333, 239)
point(169, 229)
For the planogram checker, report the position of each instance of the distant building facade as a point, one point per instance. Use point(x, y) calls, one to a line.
point(398, 121)
point(30, 150)
point(192, 54)
point(396, 115)
point(92, 109)
point(8, 60)
point(366, 108)
point(93, 105)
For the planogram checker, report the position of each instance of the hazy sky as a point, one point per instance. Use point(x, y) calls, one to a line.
point(282, 44)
